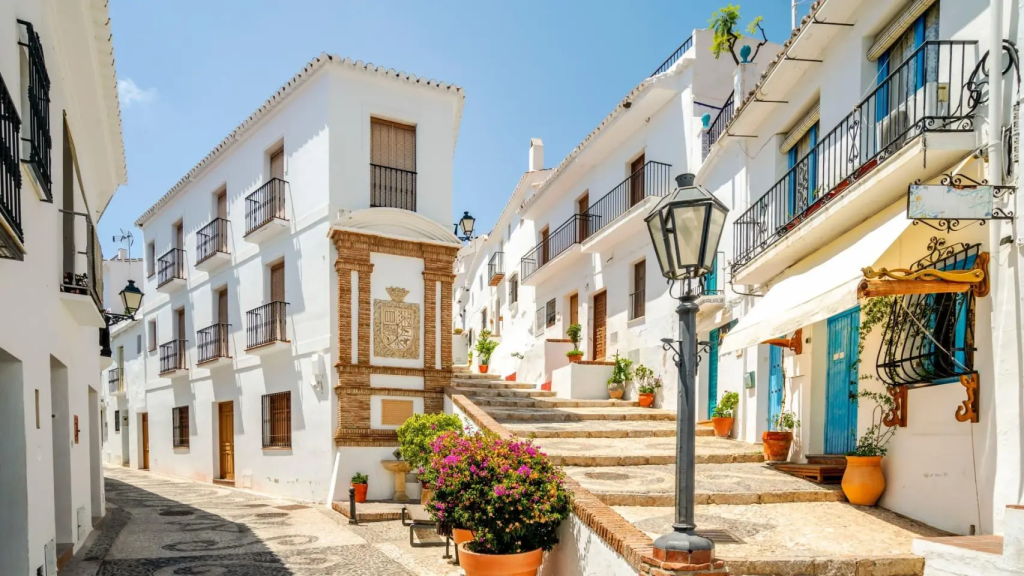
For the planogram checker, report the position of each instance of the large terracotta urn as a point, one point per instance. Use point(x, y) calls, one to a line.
point(524, 564)
point(722, 425)
point(776, 445)
point(863, 481)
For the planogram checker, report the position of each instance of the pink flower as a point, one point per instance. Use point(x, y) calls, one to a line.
point(500, 490)
point(524, 470)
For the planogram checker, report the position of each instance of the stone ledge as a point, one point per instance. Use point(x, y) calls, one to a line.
point(901, 565)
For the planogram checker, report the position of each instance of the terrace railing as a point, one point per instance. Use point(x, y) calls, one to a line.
point(674, 57)
point(170, 266)
point(265, 204)
point(392, 188)
point(266, 324)
point(211, 239)
point(717, 126)
point(563, 238)
point(212, 342)
point(653, 179)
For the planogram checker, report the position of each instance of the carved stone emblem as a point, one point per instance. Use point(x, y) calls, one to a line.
point(396, 326)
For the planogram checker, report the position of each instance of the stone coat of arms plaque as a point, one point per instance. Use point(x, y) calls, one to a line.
point(396, 326)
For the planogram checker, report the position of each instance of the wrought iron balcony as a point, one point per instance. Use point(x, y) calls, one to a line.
point(496, 268)
point(674, 57)
point(38, 142)
point(212, 239)
point(392, 188)
point(717, 126)
point(170, 267)
point(934, 90)
point(563, 238)
point(637, 304)
point(265, 205)
point(83, 273)
point(172, 356)
point(115, 382)
point(653, 179)
point(266, 325)
point(213, 343)
point(12, 237)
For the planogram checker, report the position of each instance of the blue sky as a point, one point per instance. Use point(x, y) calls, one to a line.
point(189, 72)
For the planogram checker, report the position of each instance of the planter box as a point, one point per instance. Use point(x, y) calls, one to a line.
point(581, 381)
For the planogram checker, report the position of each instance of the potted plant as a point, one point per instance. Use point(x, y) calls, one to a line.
point(864, 481)
point(415, 438)
point(574, 332)
point(507, 493)
point(724, 414)
point(485, 347)
point(647, 384)
point(622, 372)
point(359, 482)
point(778, 440)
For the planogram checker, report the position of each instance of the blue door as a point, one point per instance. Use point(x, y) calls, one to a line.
point(713, 372)
point(776, 382)
point(841, 389)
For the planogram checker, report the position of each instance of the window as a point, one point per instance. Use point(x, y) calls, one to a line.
point(151, 332)
point(277, 420)
point(483, 320)
point(179, 423)
point(392, 165)
point(150, 259)
point(637, 301)
point(905, 48)
point(138, 343)
point(35, 132)
point(513, 289)
point(803, 185)
point(117, 421)
point(549, 314)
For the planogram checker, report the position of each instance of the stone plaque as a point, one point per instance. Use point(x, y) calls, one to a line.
point(396, 326)
point(395, 412)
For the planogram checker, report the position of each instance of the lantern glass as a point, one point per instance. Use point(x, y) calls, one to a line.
point(686, 227)
point(467, 223)
point(131, 298)
point(716, 225)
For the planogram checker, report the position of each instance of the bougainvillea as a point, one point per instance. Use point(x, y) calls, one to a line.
point(506, 491)
point(416, 434)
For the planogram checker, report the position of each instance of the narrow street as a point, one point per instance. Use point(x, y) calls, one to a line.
point(159, 526)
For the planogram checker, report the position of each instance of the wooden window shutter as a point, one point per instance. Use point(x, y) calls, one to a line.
point(392, 145)
point(277, 283)
point(277, 420)
point(222, 306)
point(222, 205)
point(277, 164)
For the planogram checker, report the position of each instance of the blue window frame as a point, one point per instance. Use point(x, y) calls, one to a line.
point(926, 27)
point(803, 182)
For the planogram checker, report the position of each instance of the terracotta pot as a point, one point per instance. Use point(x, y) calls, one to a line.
point(360, 492)
point(574, 358)
point(425, 492)
point(461, 535)
point(615, 393)
point(646, 399)
point(524, 564)
point(776, 445)
point(483, 368)
point(723, 426)
point(863, 481)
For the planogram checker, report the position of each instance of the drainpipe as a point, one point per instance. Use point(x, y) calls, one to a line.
point(995, 90)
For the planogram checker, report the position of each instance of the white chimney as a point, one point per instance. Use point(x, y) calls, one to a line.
point(536, 154)
point(122, 254)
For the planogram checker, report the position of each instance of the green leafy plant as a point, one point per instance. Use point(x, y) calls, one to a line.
point(785, 421)
point(646, 381)
point(417, 434)
point(574, 331)
point(469, 357)
point(622, 372)
point(360, 478)
point(876, 439)
point(726, 407)
point(724, 23)
point(485, 347)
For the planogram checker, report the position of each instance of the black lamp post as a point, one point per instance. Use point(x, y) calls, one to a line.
point(685, 229)
point(466, 222)
point(131, 299)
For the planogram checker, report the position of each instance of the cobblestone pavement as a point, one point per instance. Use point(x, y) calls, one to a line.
point(162, 526)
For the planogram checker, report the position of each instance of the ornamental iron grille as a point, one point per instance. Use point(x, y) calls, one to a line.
point(929, 338)
point(38, 142)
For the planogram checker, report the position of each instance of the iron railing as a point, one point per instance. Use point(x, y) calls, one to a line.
point(83, 261)
point(172, 356)
point(653, 179)
point(717, 126)
point(170, 266)
point(38, 142)
point(392, 188)
point(264, 205)
point(277, 420)
point(10, 176)
point(266, 325)
point(674, 57)
point(211, 239)
point(569, 233)
point(212, 342)
point(115, 383)
point(496, 268)
point(637, 304)
point(934, 90)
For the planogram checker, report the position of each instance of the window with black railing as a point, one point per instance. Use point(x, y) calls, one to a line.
point(172, 356)
point(637, 304)
point(549, 313)
point(674, 57)
point(265, 205)
point(170, 266)
point(83, 273)
point(179, 427)
point(277, 420)
point(653, 179)
point(392, 188)
point(37, 139)
point(212, 239)
point(496, 268)
point(266, 325)
point(935, 89)
point(10, 177)
point(212, 342)
point(717, 126)
point(114, 384)
point(563, 238)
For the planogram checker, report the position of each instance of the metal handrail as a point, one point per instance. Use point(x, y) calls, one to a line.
point(675, 56)
point(717, 126)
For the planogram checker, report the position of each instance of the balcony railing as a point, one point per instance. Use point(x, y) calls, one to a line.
point(170, 266)
point(717, 126)
point(392, 188)
point(496, 268)
point(674, 57)
point(653, 179)
point(83, 273)
point(569, 233)
point(172, 356)
point(934, 90)
point(637, 304)
point(266, 325)
point(38, 142)
point(264, 205)
point(10, 177)
point(211, 239)
point(115, 383)
point(212, 343)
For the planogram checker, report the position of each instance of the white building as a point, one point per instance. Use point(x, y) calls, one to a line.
point(227, 372)
point(61, 159)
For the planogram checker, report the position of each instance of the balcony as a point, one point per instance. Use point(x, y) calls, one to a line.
point(172, 359)
point(392, 188)
point(170, 271)
point(674, 57)
point(115, 381)
point(266, 328)
point(38, 144)
point(265, 213)
point(717, 126)
point(12, 237)
point(82, 280)
point(212, 346)
point(866, 162)
point(620, 213)
point(212, 245)
point(496, 268)
point(562, 240)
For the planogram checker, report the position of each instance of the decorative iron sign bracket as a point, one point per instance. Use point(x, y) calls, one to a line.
point(956, 202)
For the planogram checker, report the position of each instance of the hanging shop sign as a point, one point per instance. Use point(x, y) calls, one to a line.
point(956, 202)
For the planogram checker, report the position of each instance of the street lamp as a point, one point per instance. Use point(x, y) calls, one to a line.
point(685, 228)
point(131, 299)
point(466, 223)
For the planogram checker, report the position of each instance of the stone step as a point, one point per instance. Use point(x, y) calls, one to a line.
point(500, 384)
point(595, 429)
point(644, 451)
point(472, 376)
point(503, 393)
point(654, 485)
point(576, 414)
point(549, 402)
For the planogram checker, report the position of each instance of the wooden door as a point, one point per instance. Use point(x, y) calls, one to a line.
point(582, 205)
point(181, 324)
point(227, 440)
point(145, 441)
point(600, 324)
point(222, 306)
point(842, 382)
point(222, 205)
point(179, 235)
point(636, 182)
point(277, 282)
point(574, 309)
point(545, 246)
point(277, 164)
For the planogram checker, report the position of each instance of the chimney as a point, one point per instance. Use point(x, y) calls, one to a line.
point(122, 254)
point(536, 154)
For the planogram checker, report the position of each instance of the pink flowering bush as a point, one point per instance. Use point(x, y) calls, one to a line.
point(506, 491)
